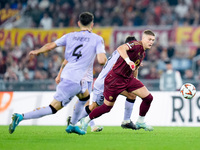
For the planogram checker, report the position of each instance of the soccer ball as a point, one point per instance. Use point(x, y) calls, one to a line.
point(188, 90)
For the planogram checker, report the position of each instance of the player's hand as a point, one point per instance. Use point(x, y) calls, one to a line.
point(34, 52)
point(57, 79)
point(132, 65)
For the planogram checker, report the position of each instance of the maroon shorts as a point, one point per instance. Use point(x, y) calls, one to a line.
point(115, 84)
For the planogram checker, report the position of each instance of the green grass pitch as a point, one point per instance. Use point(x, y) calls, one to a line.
point(111, 138)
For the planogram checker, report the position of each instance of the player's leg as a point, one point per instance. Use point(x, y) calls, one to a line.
point(61, 98)
point(91, 107)
point(43, 111)
point(37, 113)
point(111, 91)
point(71, 127)
point(97, 112)
point(130, 100)
point(82, 115)
point(83, 98)
point(144, 107)
point(97, 101)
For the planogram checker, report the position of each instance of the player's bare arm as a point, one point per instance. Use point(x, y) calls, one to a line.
point(123, 53)
point(101, 57)
point(43, 49)
point(57, 79)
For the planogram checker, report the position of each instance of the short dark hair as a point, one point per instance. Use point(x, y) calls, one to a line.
point(130, 38)
point(167, 61)
point(86, 18)
point(149, 32)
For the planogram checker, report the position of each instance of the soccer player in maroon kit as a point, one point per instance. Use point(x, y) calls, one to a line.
point(121, 78)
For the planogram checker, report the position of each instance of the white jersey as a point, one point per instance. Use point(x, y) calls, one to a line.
point(80, 52)
point(99, 82)
point(89, 74)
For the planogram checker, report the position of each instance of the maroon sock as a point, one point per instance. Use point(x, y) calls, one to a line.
point(145, 105)
point(100, 111)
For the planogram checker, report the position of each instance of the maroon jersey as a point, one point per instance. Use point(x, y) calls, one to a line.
point(136, 54)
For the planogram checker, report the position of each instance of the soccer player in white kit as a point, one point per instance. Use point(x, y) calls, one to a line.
point(81, 49)
point(86, 89)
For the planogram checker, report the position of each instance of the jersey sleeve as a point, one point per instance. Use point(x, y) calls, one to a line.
point(100, 47)
point(62, 41)
point(134, 45)
point(130, 44)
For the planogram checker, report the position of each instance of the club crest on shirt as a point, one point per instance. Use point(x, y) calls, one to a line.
point(110, 97)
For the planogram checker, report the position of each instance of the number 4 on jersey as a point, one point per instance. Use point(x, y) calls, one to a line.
point(78, 55)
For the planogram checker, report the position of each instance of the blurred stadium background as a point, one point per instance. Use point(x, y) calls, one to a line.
point(28, 82)
point(28, 24)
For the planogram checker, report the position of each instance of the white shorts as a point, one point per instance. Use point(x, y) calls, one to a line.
point(86, 85)
point(66, 90)
point(98, 97)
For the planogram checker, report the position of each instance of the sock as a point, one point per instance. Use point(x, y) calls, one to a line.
point(128, 109)
point(87, 119)
point(77, 111)
point(141, 119)
point(38, 112)
point(84, 113)
point(92, 124)
point(145, 105)
point(100, 111)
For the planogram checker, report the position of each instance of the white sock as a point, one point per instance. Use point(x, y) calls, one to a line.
point(87, 119)
point(128, 110)
point(37, 113)
point(77, 111)
point(92, 124)
point(83, 114)
point(141, 119)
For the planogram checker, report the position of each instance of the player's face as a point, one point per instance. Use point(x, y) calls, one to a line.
point(148, 41)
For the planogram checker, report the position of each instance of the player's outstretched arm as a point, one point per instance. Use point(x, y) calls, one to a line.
point(43, 49)
point(123, 53)
point(57, 79)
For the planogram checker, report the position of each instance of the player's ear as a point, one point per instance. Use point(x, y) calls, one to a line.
point(79, 24)
point(92, 24)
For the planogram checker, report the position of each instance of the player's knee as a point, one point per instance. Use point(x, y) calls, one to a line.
point(131, 96)
point(93, 106)
point(148, 99)
point(85, 98)
point(130, 100)
point(53, 109)
point(106, 108)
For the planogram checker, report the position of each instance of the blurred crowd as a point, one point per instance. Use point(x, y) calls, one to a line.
point(63, 13)
point(16, 65)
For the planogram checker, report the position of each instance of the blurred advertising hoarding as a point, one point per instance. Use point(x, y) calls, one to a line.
point(163, 34)
point(113, 36)
point(17, 36)
point(167, 109)
point(189, 36)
